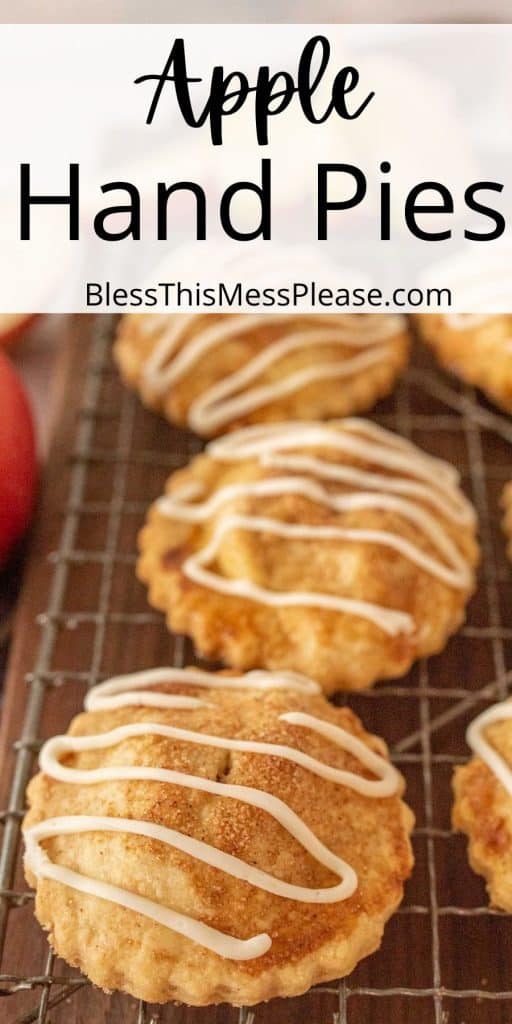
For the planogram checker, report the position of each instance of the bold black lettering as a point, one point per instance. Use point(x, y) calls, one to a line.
point(487, 211)
point(71, 199)
point(265, 99)
point(346, 81)
point(411, 210)
point(132, 229)
point(219, 95)
point(385, 204)
point(94, 294)
point(164, 193)
point(264, 192)
point(175, 62)
point(324, 205)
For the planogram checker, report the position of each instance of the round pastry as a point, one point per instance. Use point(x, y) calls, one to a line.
point(476, 348)
point(212, 838)
point(483, 801)
point(507, 518)
point(339, 550)
point(214, 372)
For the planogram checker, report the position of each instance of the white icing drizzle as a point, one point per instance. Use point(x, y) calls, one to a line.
point(129, 690)
point(479, 745)
point(420, 479)
point(124, 691)
point(236, 395)
point(466, 321)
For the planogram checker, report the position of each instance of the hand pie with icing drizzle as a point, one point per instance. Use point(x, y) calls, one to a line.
point(215, 372)
point(483, 801)
point(477, 348)
point(339, 550)
point(215, 838)
point(506, 502)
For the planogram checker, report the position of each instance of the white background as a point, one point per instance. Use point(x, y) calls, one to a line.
point(441, 110)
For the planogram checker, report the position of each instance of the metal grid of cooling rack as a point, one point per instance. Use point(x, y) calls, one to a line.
point(462, 941)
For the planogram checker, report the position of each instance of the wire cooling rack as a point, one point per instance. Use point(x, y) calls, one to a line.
point(446, 957)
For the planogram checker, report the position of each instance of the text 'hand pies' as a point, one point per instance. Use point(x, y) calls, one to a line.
point(477, 348)
point(212, 838)
point(215, 372)
point(339, 550)
point(483, 801)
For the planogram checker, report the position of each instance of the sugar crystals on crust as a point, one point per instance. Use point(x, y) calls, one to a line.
point(211, 838)
point(339, 550)
point(219, 371)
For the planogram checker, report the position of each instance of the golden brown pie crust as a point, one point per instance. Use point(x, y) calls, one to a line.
point(483, 811)
point(119, 949)
point(139, 334)
point(340, 650)
point(480, 354)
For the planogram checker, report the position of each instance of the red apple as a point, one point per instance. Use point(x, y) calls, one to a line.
point(18, 464)
point(13, 325)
